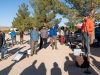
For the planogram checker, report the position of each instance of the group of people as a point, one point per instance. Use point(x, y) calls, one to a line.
point(4, 42)
point(13, 37)
point(87, 29)
point(34, 35)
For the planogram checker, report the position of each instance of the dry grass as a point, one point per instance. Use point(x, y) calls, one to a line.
point(4, 28)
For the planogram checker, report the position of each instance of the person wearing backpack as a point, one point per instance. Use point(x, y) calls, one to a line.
point(87, 29)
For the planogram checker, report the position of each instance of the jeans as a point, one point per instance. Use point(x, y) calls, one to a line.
point(2, 52)
point(86, 38)
point(14, 40)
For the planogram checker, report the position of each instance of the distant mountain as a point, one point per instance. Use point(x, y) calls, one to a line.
point(4, 28)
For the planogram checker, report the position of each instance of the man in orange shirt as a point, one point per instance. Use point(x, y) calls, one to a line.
point(87, 29)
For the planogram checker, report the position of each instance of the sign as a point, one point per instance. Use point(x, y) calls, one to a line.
point(18, 56)
point(77, 51)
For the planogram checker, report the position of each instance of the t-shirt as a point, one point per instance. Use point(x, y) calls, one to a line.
point(62, 32)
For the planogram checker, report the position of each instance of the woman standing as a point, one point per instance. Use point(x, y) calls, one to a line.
point(62, 36)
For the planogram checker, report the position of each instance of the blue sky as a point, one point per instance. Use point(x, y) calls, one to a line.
point(9, 9)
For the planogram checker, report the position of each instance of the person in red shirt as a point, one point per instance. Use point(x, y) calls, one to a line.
point(87, 29)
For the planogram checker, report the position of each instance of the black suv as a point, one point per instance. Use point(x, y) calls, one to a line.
point(97, 33)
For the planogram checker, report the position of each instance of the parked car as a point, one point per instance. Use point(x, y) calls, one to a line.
point(97, 33)
point(76, 37)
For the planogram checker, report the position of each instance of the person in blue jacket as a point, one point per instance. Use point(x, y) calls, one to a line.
point(53, 35)
point(13, 37)
point(34, 37)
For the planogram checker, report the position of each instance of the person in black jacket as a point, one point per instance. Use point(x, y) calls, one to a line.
point(21, 36)
point(3, 34)
point(1, 44)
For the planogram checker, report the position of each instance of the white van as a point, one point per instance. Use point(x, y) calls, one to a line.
point(15, 29)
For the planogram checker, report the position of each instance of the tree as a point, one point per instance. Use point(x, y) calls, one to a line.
point(45, 11)
point(22, 21)
point(70, 26)
point(90, 6)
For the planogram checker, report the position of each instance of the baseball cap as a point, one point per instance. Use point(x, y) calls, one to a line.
point(86, 14)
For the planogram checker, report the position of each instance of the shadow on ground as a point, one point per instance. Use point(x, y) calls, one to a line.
point(56, 70)
point(32, 70)
point(13, 51)
point(6, 70)
point(95, 51)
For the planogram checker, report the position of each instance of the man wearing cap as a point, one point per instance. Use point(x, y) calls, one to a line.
point(44, 36)
point(87, 29)
point(53, 35)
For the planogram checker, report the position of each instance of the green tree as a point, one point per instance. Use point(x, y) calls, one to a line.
point(23, 20)
point(45, 11)
point(70, 26)
point(90, 6)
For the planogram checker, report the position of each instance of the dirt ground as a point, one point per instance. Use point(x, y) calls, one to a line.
point(47, 61)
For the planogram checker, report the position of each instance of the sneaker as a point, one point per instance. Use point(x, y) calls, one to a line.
point(3, 58)
point(56, 48)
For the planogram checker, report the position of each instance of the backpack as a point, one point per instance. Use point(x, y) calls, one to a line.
point(82, 61)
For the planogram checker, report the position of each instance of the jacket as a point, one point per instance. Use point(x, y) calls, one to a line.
point(21, 34)
point(87, 26)
point(13, 34)
point(53, 31)
point(34, 35)
point(44, 33)
point(1, 40)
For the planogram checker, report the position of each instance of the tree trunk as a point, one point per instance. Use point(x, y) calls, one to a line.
point(93, 19)
point(93, 33)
